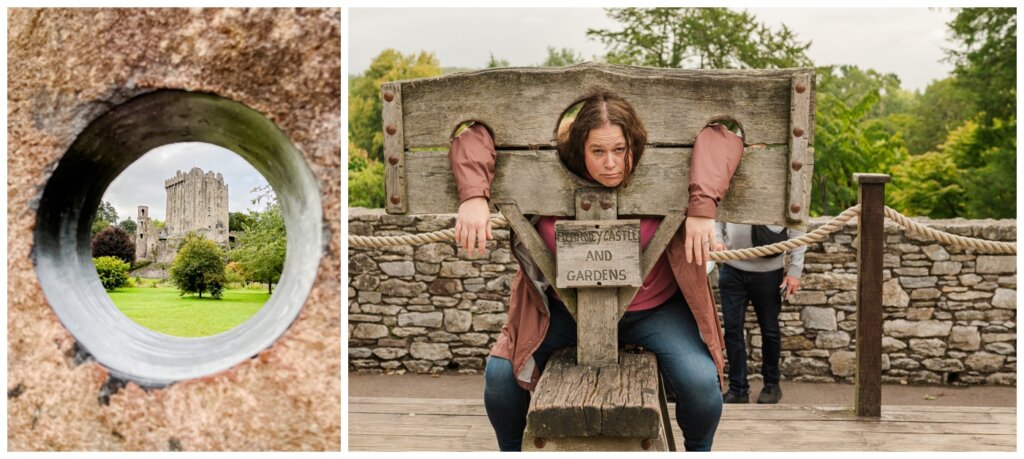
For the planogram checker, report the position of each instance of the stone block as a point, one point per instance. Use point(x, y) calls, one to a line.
point(928, 347)
point(365, 282)
point(946, 268)
point(919, 282)
point(421, 319)
point(893, 295)
point(430, 351)
point(475, 339)
point(434, 253)
point(925, 294)
point(965, 338)
point(935, 252)
point(459, 269)
point(944, 365)
point(900, 328)
point(1001, 348)
point(1002, 379)
point(457, 321)
point(487, 306)
point(968, 295)
point(398, 268)
point(808, 297)
point(417, 366)
point(442, 337)
point(793, 366)
point(984, 362)
point(911, 271)
point(970, 279)
point(796, 343)
point(892, 344)
point(996, 264)
point(920, 313)
point(390, 353)
point(904, 363)
point(829, 281)
point(408, 331)
point(832, 340)
point(489, 322)
point(395, 287)
point(370, 331)
point(819, 318)
point(445, 287)
point(1005, 299)
point(359, 353)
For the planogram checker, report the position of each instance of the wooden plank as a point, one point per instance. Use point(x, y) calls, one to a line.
point(538, 183)
point(523, 105)
point(662, 236)
point(871, 232)
point(394, 149)
point(597, 330)
point(542, 257)
point(801, 128)
point(614, 400)
point(598, 253)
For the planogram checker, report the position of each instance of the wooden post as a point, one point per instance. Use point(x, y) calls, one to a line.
point(871, 232)
point(597, 324)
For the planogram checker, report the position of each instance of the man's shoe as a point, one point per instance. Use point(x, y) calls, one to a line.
point(730, 397)
point(770, 394)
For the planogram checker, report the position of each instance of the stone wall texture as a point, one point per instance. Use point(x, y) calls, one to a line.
point(66, 68)
point(949, 313)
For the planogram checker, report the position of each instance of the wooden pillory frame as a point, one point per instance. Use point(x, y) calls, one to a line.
point(522, 107)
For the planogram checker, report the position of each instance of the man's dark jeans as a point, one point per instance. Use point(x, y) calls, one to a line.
point(738, 287)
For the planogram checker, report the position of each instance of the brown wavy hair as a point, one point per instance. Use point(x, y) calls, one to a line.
point(595, 109)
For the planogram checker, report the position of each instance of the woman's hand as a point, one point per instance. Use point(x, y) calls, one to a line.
point(700, 236)
point(473, 225)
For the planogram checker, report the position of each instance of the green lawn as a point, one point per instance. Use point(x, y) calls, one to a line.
point(162, 310)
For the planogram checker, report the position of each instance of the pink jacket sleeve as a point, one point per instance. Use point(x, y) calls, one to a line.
point(472, 158)
point(716, 154)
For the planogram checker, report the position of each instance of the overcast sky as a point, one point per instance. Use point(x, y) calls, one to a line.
point(142, 184)
point(908, 42)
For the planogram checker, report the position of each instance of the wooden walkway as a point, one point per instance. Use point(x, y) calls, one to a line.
point(400, 424)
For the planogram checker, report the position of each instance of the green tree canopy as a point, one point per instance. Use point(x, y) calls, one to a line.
point(562, 57)
point(237, 221)
point(261, 247)
point(198, 267)
point(986, 58)
point(494, 62)
point(105, 216)
point(128, 225)
point(112, 271)
point(704, 38)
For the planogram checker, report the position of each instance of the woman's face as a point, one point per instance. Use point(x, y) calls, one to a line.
point(605, 154)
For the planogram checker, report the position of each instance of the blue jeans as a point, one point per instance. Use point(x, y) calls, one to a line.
point(737, 287)
point(669, 331)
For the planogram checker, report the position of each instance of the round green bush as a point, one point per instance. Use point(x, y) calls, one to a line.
point(113, 272)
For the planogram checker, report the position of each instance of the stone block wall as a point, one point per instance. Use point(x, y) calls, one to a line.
point(950, 313)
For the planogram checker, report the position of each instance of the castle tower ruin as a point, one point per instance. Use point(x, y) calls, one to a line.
point(197, 201)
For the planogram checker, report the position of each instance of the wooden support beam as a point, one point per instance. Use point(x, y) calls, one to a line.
point(397, 200)
point(535, 246)
point(597, 321)
point(871, 232)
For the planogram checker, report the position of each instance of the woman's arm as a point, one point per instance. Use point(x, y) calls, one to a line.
point(472, 158)
point(716, 154)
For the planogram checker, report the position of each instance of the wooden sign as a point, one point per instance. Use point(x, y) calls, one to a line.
point(598, 253)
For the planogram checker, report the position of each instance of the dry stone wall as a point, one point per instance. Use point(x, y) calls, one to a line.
point(949, 313)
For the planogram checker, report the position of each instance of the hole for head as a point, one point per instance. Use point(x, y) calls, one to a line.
point(62, 250)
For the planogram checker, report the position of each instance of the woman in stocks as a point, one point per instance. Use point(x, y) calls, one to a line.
point(673, 314)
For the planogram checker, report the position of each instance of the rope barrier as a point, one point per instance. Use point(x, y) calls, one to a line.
point(818, 235)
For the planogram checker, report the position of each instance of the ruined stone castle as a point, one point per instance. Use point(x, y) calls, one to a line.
point(196, 201)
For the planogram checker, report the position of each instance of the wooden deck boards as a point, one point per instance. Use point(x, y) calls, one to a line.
point(399, 424)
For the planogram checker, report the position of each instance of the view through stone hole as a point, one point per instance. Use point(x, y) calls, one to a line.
point(189, 240)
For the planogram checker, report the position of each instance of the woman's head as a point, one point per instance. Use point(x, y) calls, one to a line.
point(605, 140)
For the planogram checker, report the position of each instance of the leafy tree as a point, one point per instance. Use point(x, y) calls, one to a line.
point(237, 221)
point(364, 112)
point(105, 216)
point(714, 38)
point(114, 242)
point(261, 247)
point(365, 179)
point(157, 223)
point(128, 225)
point(986, 60)
point(198, 267)
point(495, 63)
point(112, 271)
point(562, 57)
point(928, 185)
point(234, 274)
point(844, 141)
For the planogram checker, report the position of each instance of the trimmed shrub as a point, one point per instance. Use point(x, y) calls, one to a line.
point(114, 241)
point(113, 272)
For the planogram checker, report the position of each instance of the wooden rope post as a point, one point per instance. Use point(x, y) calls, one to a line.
point(871, 232)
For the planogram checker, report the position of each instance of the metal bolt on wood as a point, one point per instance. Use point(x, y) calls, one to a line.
point(797, 165)
point(605, 204)
point(391, 129)
point(800, 88)
point(539, 442)
point(798, 132)
point(388, 96)
point(646, 444)
point(393, 160)
point(585, 204)
point(794, 208)
point(395, 199)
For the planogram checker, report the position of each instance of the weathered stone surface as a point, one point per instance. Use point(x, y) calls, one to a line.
point(985, 362)
point(365, 282)
point(916, 329)
point(843, 363)
point(434, 253)
point(804, 366)
point(475, 339)
point(489, 322)
point(918, 282)
point(1005, 299)
point(370, 331)
point(832, 340)
point(459, 269)
point(819, 318)
point(929, 347)
point(359, 353)
point(395, 287)
point(943, 364)
point(965, 338)
point(485, 306)
point(457, 321)
point(417, 366)
point(946, 268)
point(390, 353)
point(925, 294)
point(969, 295)
point(421, 319)
point(892, 344)
point(893, 295)
point(796, 343)
point(920, 313)
point(445, 287)
point(1001, 348)
point(430, 351)
point(829, 281)
point(905, 364)
point(398, 268)
point(808, 297)
point(996, 264)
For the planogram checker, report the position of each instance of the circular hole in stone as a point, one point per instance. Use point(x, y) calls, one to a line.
point(62, 250)
point(204, 197)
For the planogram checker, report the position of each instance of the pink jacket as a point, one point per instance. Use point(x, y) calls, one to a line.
point(716, 154)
